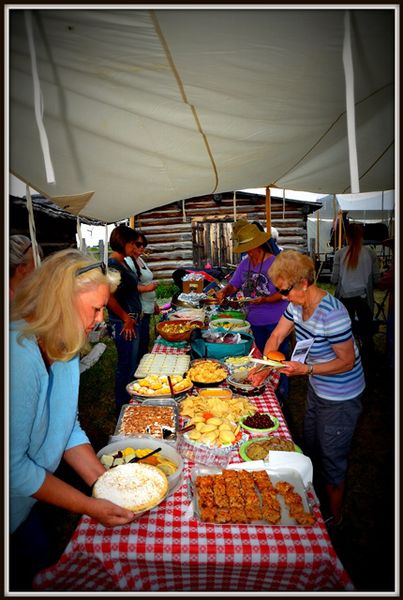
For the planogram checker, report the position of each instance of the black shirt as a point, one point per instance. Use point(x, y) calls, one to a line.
point(127, 293)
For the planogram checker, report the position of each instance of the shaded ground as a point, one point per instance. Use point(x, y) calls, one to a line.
point(365, 541)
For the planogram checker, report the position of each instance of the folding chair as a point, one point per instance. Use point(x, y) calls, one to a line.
point(380, 308)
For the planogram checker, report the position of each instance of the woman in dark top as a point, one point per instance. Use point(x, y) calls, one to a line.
point(124, 308)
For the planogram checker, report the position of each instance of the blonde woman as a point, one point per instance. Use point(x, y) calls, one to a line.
point(54, 309)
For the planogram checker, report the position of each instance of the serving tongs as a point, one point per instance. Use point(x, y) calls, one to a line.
point(183, 430)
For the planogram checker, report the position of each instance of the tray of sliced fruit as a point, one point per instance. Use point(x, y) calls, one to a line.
point(157, 386)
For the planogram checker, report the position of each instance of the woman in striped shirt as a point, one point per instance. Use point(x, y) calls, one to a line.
point(333, 365)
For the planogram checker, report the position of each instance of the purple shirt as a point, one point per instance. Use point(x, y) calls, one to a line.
point(254, 281)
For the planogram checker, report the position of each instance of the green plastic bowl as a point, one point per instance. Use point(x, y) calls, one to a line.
point(245, 446)
point(259, 432)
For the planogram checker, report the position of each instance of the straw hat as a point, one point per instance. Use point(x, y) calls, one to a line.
point(237, 226)
point(247, 237)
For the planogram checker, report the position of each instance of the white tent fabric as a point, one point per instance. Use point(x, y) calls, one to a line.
point(371, 207)
point(374, 201)
point(145, 107)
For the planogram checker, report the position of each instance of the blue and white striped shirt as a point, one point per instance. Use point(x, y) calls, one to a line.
point(330, 324)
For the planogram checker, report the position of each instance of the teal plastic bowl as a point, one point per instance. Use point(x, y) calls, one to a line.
point(200, 348)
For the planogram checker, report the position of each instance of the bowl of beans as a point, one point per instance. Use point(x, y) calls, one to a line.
point(259, 423)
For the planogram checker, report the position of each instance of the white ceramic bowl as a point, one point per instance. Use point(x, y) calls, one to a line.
point(230, 325)
point(167, 451)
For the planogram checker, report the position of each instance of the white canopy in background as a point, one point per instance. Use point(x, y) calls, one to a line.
point(372, 201)
point(144, 107)
point(365, 208)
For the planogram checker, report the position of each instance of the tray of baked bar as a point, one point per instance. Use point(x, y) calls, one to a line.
point(250, 494)
point(158, 363)
point(158, 418)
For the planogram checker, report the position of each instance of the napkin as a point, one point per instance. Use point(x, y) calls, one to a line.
point(291, 460)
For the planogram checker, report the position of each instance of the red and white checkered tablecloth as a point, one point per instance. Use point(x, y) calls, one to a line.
point(168, 549)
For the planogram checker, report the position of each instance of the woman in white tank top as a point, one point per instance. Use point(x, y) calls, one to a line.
point(146, 288)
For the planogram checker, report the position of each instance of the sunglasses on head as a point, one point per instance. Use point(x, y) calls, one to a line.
point(97, 265)
point(140, 244)
point(286, 291)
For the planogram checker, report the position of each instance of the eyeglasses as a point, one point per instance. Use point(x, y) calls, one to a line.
point(286, 291)
point(140, 244)
point(97, 265)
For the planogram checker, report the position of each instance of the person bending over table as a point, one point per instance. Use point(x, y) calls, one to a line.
point(251, 276)
point(54, 309)
point(333, 365)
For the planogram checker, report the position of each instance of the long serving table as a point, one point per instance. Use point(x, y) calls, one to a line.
point(168, 550)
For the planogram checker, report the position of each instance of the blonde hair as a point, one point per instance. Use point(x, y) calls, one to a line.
point(292, 266)
point(46, 299)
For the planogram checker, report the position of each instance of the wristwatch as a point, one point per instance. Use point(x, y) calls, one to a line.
point(310, 370)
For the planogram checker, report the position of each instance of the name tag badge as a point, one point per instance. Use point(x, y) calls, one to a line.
point(301, 350)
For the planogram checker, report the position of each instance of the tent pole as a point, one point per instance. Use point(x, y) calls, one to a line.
point(340, 229)
point(317, 245)
point(350, 104)
point(132, 222)
point(268, 210)
point(32, 228)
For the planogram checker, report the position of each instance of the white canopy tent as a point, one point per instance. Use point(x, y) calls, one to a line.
point(115, 111)
point(374, 207)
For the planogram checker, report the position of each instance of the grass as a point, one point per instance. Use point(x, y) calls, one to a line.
point(365, 541)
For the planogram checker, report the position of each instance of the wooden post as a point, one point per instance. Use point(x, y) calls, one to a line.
point(340, 229)
point(268, 210)
point(132, 222)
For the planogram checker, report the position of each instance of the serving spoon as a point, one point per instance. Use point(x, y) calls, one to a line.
point(137, 458)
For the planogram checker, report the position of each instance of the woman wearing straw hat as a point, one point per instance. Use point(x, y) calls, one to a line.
point(266, 305)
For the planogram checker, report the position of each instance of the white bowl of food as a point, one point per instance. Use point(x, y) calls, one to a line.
point(169, 461)
point(230, 325)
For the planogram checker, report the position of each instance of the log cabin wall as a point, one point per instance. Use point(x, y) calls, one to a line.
point(173, 242)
